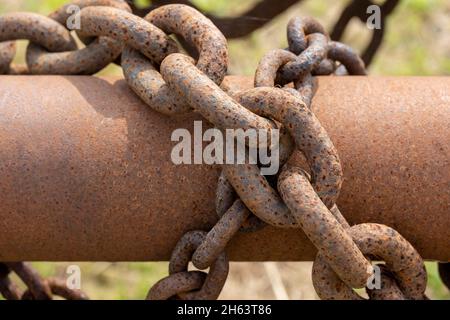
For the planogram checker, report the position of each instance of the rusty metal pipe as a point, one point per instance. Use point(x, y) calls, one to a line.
point(85, 169)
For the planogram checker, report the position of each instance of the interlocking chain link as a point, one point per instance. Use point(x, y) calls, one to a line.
point(326, 226)
point(39, 29)
point(37, 288)
point(94, 57)
point(266, 10)
point(174, 83)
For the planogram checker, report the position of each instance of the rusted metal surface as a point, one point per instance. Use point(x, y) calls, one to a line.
point(336, 52)
point(94, 57)
point(128, 29)
point(36, 287)
point(380, 242)
point(59, 288)
point(309, 59)
point(226, 197)
point(34, 27)
point(218, 272)
point(268, 66)
point(297, 30)
point(310, 138)
point(7, 53)
point(220, 235)
point(389, 289)
point(103, 51)
point(266, 10)
point(63, 13)
point(207, 98)
point(307, 202)
point(316, 55)
point(8, 289)
point(353, 64)
point(105, 188)
point(198, 85)
point(181, 256)
point(322, 228)
point(37, 28)
point(310, 199)
point(168, 288)
point(197, 31)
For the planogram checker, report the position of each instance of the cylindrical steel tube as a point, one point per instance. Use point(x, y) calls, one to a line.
point(86, 172)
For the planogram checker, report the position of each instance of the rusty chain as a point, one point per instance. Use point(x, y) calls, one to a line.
point(97, 54)
point(358, 9)
point(174, 83)
point(37, 288)
point(265, 11)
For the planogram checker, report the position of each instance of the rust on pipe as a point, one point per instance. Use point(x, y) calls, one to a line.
point(85, 169)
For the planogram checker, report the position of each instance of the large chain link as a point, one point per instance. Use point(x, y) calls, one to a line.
point(174, 83)
point(321, 220)
point(94, 57)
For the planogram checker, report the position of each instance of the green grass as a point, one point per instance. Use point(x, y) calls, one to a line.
point(435, 287)
point(104, 280)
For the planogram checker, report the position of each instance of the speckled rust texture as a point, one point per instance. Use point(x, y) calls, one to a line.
point(89, 60)
point(37, 28)
point(379, 242)
point(297, 30)
point(7, 52)
point(34, 27)
point(347, 56)
point(85, 171)
point(146, 81)
point(218, 270)
point(199, 32)
point(184, 281)
point(330, 238)
point(126, 28)
point(307, 60)
point(206, 97)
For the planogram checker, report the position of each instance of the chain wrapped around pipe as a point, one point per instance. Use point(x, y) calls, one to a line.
point(181, 75)
point(297, 193)
point(173, 83)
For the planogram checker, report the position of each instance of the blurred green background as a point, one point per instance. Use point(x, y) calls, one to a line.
point(417, 42)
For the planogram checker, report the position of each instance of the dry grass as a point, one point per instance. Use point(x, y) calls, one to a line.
point(270, 280)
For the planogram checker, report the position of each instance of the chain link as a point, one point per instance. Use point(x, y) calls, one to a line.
point(174, 83)
point(7, 53)
point(326, 227)
point(37, 288)
point(94, 57)
point(34, 27)
point(198, 31)
point(385, 244)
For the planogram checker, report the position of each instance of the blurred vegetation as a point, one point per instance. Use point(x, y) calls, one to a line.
point(417, 42)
